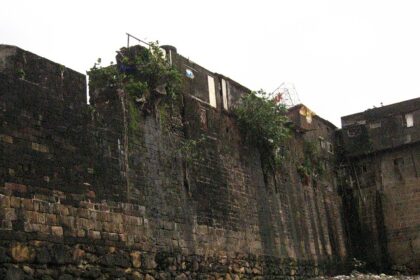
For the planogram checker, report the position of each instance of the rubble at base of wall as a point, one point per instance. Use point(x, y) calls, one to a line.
point(47, 260)
point(361, 276)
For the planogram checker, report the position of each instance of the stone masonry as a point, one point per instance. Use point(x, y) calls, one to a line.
point(96, 191)
point(381, 185)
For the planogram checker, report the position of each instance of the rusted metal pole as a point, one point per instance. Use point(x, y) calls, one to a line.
point(128, 38)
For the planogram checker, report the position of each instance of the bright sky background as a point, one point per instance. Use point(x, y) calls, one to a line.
point(342, 56)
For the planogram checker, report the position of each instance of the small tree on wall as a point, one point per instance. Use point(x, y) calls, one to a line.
point(142, 73)
point(262, 121)
point(311, 166)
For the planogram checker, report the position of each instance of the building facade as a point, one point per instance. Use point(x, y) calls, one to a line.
point(379, 176)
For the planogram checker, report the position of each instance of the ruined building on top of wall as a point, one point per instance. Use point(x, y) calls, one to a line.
point(379, 176)
point(103, 190)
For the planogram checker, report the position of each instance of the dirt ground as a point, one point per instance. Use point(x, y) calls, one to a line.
point(361, 276)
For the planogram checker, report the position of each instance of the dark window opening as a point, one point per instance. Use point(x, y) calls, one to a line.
point(330, 148)
point(353, 131)
point(398, 167)
point(398, 162)
point(364, 168)
point(203, 118)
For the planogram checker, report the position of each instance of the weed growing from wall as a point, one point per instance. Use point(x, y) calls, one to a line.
point(134, 116)
point(20, 73)
point(262, 121)
point(311, 166)
point(142, 73)
point(190, 149)
point(103, 77)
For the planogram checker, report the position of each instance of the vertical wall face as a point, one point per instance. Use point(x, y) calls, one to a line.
point(381, 185)
point(63, 83)
point(318, 142)
point(172, 193)
point(401, 187)
point(384, 196)
point(364, 212)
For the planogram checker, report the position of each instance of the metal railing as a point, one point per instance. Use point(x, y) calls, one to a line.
point(135, 38)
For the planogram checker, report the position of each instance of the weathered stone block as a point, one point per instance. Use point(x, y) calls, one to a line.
point(136, 259)
point(14, 273)
point(148, 262)
point(8, 214)
point(94, 234)
point(3, 255)
point(22, 253)
point(65, 277)
point(39, 147)
point(113, 236)
point(4, 201)
point(80, 233)
point(137, 275)
point(51, 219)
point(62, 254)
point(6, 138)
point(28, 204)
point(148, 277)
point(116, 259)
point(63, 210)
point(57, 231)
point(42, 255)
point(15, 187)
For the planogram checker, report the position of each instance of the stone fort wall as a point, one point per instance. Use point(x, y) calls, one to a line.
point(85, 195)
point(381, 185)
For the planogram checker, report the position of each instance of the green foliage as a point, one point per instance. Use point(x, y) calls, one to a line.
point(133, 114)
point(62, 68)
point(136, 88)
point(311, 165)
point(103, 77)
point(263, 123)
point(20, 73)
point(141, 72)
point(148, 73)
point(190, 148)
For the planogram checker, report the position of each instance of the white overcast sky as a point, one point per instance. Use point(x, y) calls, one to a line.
point(342, 56)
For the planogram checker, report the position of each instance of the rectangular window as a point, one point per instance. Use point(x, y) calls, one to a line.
point(409, 120)
point(203, 118)
point(364, 168)
point(330, 148)
point(212, 91)
point(398, 168)
point(375, 125)
point(321, 143)
point(225, 94)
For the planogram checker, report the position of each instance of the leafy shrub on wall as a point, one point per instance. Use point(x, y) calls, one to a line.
point(263, 122)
